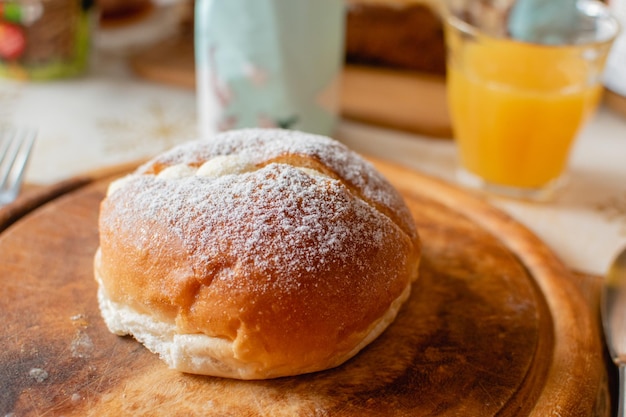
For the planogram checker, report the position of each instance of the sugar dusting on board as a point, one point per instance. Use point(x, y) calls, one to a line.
point(38, 374)
point(81, 345)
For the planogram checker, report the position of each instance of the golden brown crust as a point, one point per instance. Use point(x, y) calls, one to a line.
point(292, 262)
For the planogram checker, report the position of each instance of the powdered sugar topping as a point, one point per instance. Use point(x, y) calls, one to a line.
point(257, 146)
point(306, 224)
point(271, 203)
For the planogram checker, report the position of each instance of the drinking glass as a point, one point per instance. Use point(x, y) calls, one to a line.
point(517, 106)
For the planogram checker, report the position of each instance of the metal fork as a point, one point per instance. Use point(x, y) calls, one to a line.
point(15, 150)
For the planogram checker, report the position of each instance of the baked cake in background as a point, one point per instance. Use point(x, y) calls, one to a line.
point(400, 34)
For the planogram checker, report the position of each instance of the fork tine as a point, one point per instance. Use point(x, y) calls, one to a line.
point(5, 141)
point(14, 157)
point(9, 153)
point(24, 157)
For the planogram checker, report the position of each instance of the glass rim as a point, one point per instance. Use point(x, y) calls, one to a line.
point(590, 8)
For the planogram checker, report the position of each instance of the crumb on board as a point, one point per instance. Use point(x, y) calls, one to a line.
point(38, 374)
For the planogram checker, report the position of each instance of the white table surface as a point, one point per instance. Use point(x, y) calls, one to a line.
point(109, 117)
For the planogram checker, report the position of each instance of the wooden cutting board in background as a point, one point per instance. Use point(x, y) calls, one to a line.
point(404, 100)
point(494, 326)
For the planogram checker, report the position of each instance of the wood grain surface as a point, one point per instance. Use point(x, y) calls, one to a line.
point(494, 326)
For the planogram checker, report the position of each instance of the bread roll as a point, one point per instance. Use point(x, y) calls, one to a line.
point(256, 254)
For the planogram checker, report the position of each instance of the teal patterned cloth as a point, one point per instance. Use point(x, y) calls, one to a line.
point(269, 63)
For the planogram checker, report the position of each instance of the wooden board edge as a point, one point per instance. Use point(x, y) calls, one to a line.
point(615, 102)
point(39, 196)
point(29, 201)
point(577, 358)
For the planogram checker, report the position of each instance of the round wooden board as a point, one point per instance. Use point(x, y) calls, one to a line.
point(494, 326)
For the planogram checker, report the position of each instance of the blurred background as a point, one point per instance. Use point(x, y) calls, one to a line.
point(109, 82)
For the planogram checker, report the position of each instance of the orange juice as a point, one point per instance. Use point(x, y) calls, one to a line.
point(517, 107)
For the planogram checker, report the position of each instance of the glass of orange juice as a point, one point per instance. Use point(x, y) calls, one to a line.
point(517, 106)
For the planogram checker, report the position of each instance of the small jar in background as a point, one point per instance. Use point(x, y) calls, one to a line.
point(45, 39)
point(615, 73)
point(268, 63)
